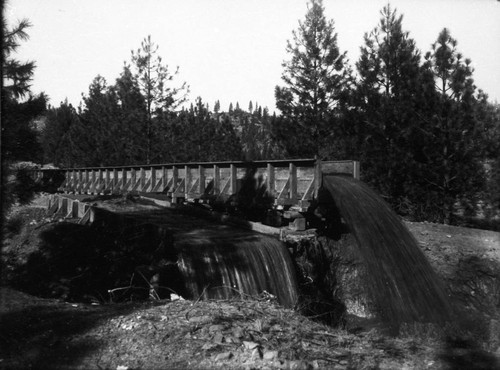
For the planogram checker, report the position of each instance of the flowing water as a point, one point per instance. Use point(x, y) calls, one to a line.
point(220, 264)
point(402, 282)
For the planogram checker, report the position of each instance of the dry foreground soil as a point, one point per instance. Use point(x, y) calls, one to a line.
point(248, 333)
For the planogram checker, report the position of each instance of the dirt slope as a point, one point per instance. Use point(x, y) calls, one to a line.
point(253, 333)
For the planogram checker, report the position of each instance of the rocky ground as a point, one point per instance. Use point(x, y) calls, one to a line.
point(247, 333)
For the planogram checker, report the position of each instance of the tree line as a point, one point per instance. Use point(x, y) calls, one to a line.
point(427, 138)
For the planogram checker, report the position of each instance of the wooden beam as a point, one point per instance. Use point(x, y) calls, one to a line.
point(201, 176)
point(217, 189)
point(270, 180)
point(293, 182)
point(233, 179)
point(153, 179)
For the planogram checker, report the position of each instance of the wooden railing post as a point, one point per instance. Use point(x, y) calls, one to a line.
point(217, 189)
point(317, 178)
point(164, 178)
point(175, 180)
point(92, 182)
point(99, 181)
point(201, 174)
point(107, 180)
point(133, 178)
point(270, 181)
point(142, 179)
point(114, 183)
point(293, 181)
point(124, 179)
point(153, 179)
point(234, 183)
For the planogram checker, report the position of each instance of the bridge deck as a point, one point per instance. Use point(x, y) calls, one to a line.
point(290, 182)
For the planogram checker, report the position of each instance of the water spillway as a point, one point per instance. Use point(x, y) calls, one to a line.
point(401, 280)
point(219, 264)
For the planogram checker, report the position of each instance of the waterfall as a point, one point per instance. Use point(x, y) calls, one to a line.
point(401, 280)
point(220, 264)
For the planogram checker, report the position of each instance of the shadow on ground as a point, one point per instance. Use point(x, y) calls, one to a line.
point(48, 333)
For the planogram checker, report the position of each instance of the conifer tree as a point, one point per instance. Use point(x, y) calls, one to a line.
point(154, 79)
point(315, 78)
point(387, 98)
point(453, 151)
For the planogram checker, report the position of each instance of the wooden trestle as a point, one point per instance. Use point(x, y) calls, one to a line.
point(291, 182)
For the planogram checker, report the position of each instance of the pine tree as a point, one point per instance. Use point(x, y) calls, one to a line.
point(453, 150)
point(387, 98)
point(217, 107)
point(315, 78)
point(153, 77)
point(16, 75)
point(57, 142)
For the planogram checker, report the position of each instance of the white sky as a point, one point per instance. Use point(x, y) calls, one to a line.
point(229, 50)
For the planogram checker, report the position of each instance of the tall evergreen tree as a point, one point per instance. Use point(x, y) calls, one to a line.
point(315, 78)
point(95, 137)
point(154, 77)
point(453, 150)
point(57, 143)
point(388, 97)
point(20, 111)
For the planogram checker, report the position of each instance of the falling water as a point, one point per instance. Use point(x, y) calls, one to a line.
point(403, 283)
point(220, 264)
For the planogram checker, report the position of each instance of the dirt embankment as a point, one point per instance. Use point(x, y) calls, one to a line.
point(239, 333)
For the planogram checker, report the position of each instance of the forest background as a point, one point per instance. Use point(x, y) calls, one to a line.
point(427, 137)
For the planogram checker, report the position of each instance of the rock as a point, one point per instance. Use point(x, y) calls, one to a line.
point(223, 356)
point(214, 328)
point(270, 355)
point(218, 338)
point(250, 345)
point(238, 332)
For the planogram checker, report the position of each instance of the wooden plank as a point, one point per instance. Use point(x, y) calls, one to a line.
point(293, 182)
point(142, 179)
point(217, 189)
point(270, 180)
point(107, 180)
point(153, 180)
point(124, 180)
point(175, 178)
point(114, 183)
point(133, 179)
point(164, 178)
point(233, 179)
point(201, 180)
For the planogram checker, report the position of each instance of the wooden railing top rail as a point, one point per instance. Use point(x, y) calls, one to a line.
point(308, 162)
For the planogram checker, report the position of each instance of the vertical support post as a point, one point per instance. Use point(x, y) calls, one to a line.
point(124, 180)
point(133, 178)
point(107, 179)
point(87, 181)
point(80, 181)
point(233, 179)
point(175, 179)
point(92, 183)
point(317, 178)
point(270, 180)
point(142, 178)
point(217, 189)
point(201, 174)
point(115, 180)
point(164, 178)
point(73, 182)
point(356, 170)
point(153, 179)
point(187, 180)
point(293, 181)
point(99, 181)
